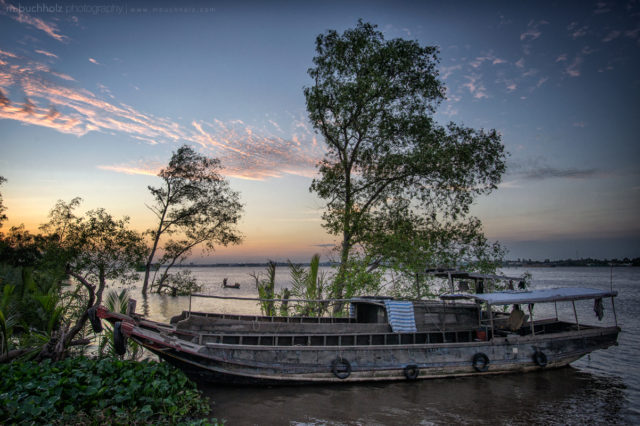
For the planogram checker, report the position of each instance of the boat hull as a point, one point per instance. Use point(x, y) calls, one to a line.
point(269, 365)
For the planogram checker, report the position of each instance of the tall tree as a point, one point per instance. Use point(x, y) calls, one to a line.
point(373, 102)
point(97, 249)
point(197, 204)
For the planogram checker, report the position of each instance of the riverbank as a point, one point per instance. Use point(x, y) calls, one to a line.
point(83, 390)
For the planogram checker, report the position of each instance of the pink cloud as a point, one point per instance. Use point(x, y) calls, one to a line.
point(49, 54)
point(611, 36)
point(63, 76)
point(246, 151)
point(93, 61)
point(632, 33)
point(16, 13)
point(151, 169)
point(9, 54)
point(445, 71)
point(475, 87)
point(574, 68)
point(542, 81)
point(601, 7)
point(575, 31)
point(533, 31)
point(255, 154)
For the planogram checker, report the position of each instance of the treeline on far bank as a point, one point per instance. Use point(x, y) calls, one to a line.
point(573, 262)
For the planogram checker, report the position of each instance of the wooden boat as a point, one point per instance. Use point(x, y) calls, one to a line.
point(225, 284)
point(383, 339)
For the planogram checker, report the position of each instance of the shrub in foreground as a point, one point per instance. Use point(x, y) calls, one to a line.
point(104, 390)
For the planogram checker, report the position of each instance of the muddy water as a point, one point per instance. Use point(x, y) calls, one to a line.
point(603, 388)
point(564, 396)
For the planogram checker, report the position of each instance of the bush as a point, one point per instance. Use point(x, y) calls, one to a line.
point(108, 390)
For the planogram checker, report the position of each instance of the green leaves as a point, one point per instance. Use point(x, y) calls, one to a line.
point(194, 202)
point(309, 284)
point(266, 289)
point(108, 389)
point(373, 102)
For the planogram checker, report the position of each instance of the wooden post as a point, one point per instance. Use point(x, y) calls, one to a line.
point(575, 313)
point(615, 317)
point(131, 307)
point(444, 318)
point(533, 330)
point(189, 303)
point(556, 306)
point(491, 319)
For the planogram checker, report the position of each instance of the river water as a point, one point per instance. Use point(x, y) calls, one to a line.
point(603, 388)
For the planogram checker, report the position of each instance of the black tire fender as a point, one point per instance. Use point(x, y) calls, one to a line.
point(411, 372)
point(540, 359)
point(96, 324)
point(119, 339)
point(481, 362)
point(341, 368)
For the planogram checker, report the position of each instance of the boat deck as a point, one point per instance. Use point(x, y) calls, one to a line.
point(371, 339)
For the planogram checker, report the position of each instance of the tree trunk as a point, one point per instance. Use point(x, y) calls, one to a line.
point(147, 267)
point(156, 239)
point(341, 279)
point(165, 274)
point(56, 347)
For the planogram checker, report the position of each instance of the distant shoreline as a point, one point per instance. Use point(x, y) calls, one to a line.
point(520, 263)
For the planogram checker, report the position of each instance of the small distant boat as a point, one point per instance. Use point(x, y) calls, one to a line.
point(383, 339)
point(225, 284)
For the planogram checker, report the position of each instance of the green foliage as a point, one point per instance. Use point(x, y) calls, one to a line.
point(98, 246)
point(266, 289)
point(7, 319)
point(373, 101)
point(117, 302)
point(181, 283)
point(284, 304)
point(360, 278)
point(83, 390)
point(405, 246)
point(32, 306)
point(309, 284)
point(194, 203)
point(41, 314)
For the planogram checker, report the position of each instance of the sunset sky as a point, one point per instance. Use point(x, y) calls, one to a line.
point(94, 99)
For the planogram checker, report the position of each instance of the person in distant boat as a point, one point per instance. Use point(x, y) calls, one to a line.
point(224, 282)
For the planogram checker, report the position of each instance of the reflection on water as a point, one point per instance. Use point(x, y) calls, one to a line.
point(565, 396)
point(602, 388)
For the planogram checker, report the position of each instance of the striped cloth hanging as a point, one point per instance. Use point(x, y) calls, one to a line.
point(352, 310)
point(401, 316)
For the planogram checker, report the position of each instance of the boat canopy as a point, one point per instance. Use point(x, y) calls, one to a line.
point(534, 296)
point(451, 273)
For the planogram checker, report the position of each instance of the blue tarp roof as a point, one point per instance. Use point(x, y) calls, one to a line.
point(534, 296)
